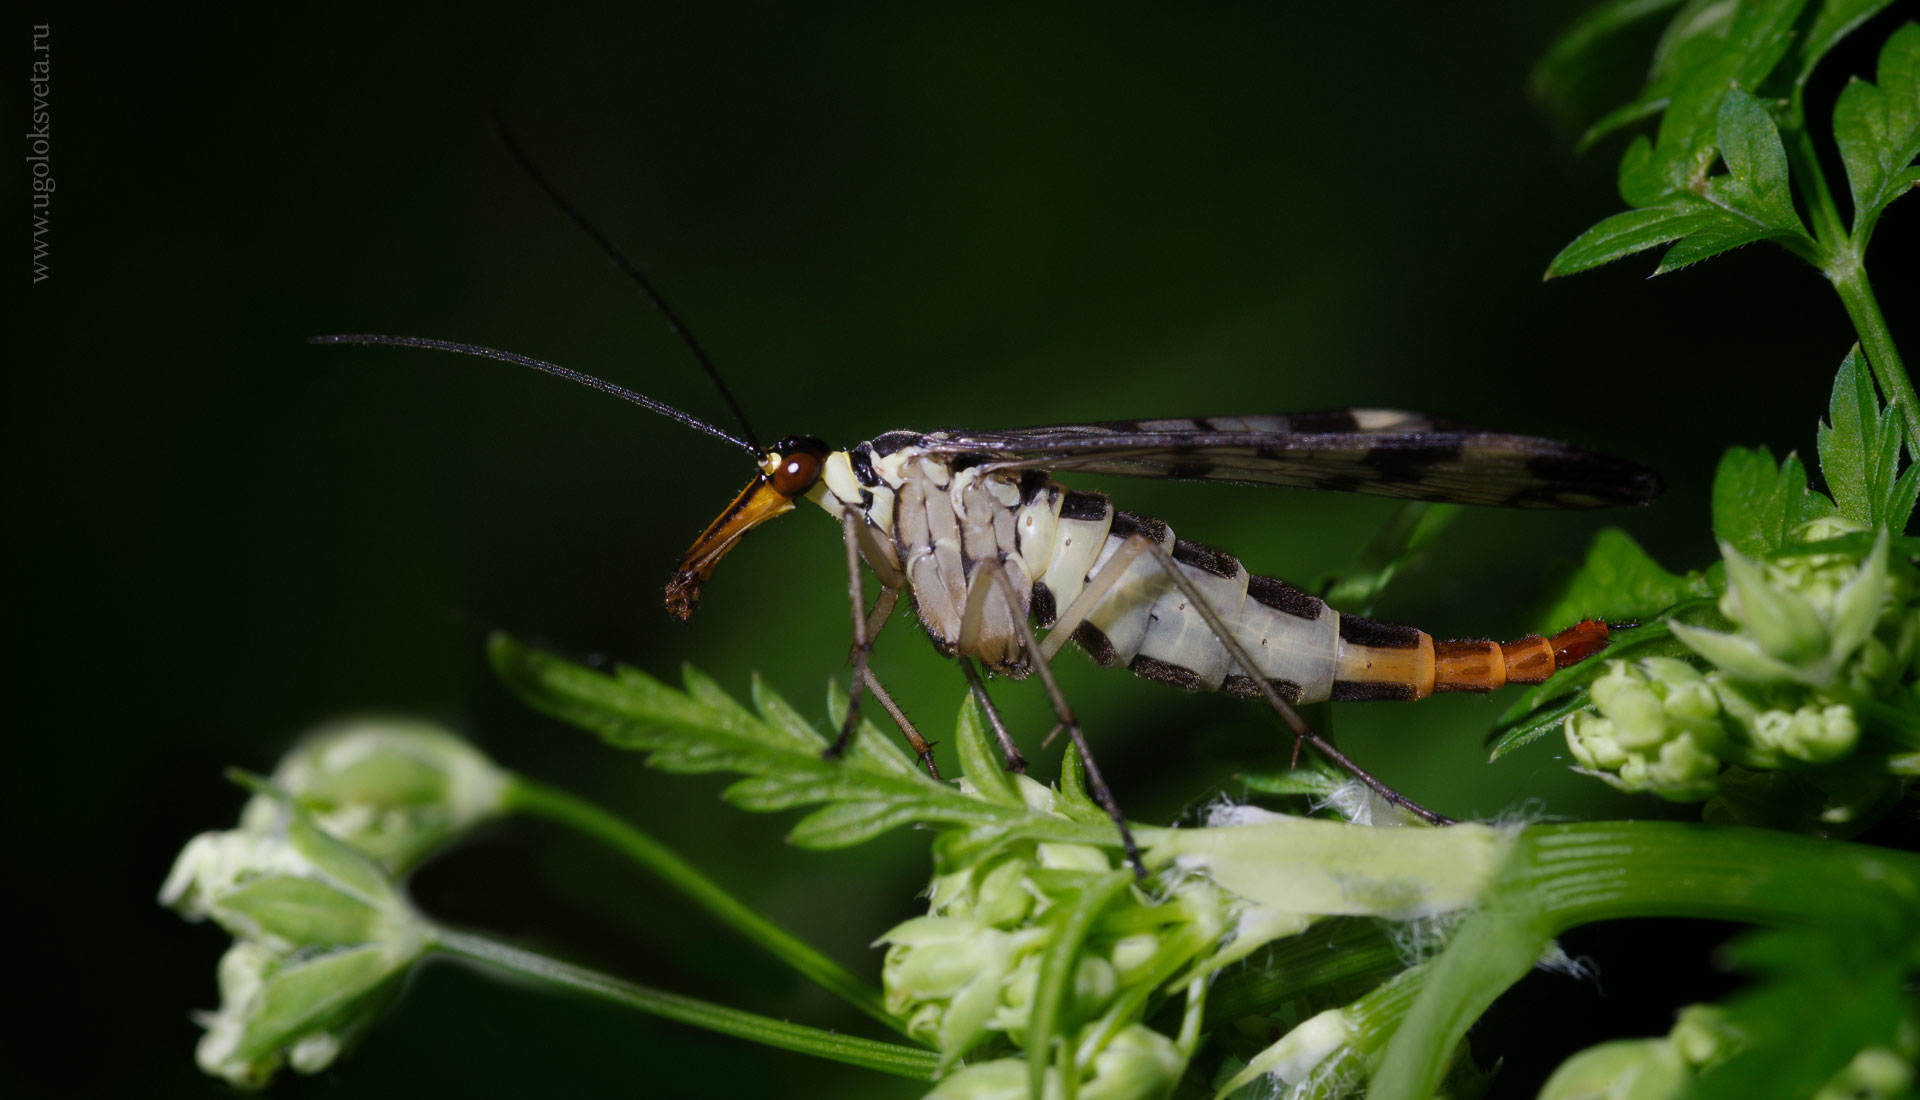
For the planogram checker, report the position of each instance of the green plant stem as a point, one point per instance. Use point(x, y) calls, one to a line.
point(886, 1057)
point(1850, 281)
point(1828, 229)
point(1560, 876)
point(1842, 259)
point(540, 800)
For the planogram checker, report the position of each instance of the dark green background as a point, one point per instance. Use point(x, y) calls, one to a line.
point(876, 219)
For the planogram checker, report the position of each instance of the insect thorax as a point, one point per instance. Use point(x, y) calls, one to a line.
point(942, 530)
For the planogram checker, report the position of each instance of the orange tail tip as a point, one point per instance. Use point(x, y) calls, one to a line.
point(1578, 642)
point(1487, 666)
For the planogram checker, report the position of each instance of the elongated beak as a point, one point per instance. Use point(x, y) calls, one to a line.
point(756, 504)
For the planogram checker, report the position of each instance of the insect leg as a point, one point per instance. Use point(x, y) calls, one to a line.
point(1096, 588)
point(1096, 782)
point(922, 747)
point(862, 638)
point(1015, 761)
point(1301, 731)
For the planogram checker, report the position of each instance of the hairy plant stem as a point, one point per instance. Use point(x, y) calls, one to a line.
point(1560, 876)
point(540, 800)
point(885, 1057)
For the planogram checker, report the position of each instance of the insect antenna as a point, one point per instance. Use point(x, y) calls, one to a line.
point(620, 260)
point(568, 373)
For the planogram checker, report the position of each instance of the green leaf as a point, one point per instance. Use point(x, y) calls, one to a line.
point(1860, 452)
point(1632, 231)
point(1757, 504)
point(1752, 201)
point(1724, 235)
point(845, 824)
point(1414, 526)
point(1580, 63)
point(1878, 131)
point(1756, 183)
point(1314, 778)
point(1835, 20)
point(1827, 993)
point(1693, 37)
point(978, 761)
point(1758, 36)
point(1618, 580)
point(1073, 799)
point(870, 790)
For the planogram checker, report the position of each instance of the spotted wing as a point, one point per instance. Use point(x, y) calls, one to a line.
point(1378, 451)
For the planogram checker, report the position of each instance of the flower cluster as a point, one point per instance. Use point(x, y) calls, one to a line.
point(322, 935)
point(969, 972)
point(1824, 654)
point(322, 938)
point(396, 789)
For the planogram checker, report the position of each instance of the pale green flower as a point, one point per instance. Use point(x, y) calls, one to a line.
point(396, 789)
point(1802, 621)
point(1628, 1069)
point(323, 939)
point(1658, 729)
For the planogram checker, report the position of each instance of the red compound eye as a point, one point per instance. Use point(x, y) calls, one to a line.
point(801, 458)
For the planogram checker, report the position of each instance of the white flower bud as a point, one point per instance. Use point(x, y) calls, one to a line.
point(396, 789)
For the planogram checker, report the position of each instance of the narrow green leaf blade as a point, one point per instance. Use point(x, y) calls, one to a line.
point(1047, 1021)
point(846, 824)
point(1724, 235)
point(1633, 231)
point(978, 761)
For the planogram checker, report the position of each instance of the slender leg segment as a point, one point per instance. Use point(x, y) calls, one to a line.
point(922, 747)
point(1097, 587)
point(862, 637)
point(1008, 749)
point(1096, 782)
point(1301, 731)
point(866, 627)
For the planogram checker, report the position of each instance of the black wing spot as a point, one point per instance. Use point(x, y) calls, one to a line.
point(1190, 471)
point(1582, 478)
point(1285, 598)
point(1409, 465)
point(1206, 559)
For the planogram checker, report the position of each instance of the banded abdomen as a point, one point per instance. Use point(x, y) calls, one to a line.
point(1308, 651)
